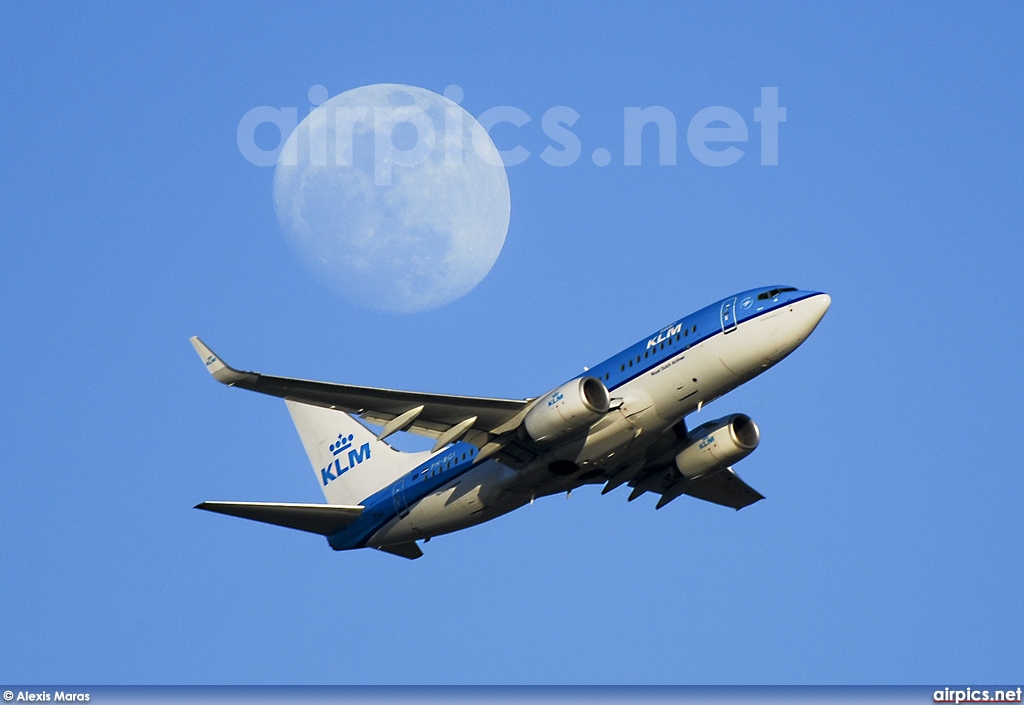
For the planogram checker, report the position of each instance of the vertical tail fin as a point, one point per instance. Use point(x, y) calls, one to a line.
point(349, 463)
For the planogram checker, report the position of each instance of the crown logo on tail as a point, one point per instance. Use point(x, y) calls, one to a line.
point(342, 444)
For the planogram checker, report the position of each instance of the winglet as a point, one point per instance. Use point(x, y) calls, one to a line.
point(221, 371)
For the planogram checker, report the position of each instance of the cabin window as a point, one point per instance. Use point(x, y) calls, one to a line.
point(645, 354)
point(663, 345)
point(694, 328)
point(622, 368)
point(631, 363)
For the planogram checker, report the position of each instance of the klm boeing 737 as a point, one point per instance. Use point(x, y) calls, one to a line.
point(623, 422)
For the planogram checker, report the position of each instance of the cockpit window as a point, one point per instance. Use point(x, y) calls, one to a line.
point(774, 292)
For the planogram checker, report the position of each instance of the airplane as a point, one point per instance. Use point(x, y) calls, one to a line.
point(621, 422)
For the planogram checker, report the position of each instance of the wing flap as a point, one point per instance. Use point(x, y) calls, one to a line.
point(324, 519)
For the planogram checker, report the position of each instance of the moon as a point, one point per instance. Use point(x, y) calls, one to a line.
point(394, 196)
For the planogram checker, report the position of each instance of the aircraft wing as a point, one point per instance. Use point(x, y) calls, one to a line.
point(481, 421)
point(721, 487)
point(726, 488)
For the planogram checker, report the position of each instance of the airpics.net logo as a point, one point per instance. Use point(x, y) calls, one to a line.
point(405, 135)
point(977, 695)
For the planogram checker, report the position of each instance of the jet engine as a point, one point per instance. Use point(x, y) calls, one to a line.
point(717, 444)
point(572, 406)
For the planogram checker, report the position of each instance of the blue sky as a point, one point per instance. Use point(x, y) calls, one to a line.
point(889, 548)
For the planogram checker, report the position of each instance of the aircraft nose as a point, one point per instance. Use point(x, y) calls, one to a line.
point(794, 328)
point(812, 311)
point(819, 305)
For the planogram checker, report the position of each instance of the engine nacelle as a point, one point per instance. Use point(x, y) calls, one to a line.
point(572, 406)
point(717, 444)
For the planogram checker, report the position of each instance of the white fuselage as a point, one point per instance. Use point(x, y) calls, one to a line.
point(645, 406)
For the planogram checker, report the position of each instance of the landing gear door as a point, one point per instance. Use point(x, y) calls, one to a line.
point(729, 315)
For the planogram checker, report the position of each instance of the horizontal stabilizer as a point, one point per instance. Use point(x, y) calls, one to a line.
point(325, 519)
point(406, 550)
point(724, 487)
